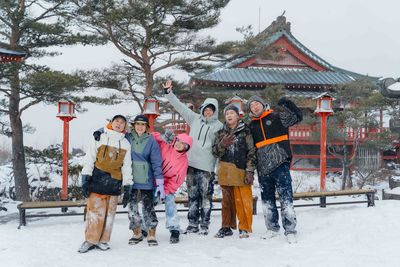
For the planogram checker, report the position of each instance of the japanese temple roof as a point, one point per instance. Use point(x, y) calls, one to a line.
point(299, 67)
point(7, 52)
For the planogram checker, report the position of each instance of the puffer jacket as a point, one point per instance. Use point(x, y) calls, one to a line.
point(174, 163)
point(202, 131)
point(146, 160)
point(108, 162)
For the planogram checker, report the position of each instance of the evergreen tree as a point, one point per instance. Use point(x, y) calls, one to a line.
point(32, 26)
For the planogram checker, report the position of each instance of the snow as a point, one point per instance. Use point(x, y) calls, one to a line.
point(395, 87)
point(351, 235)
point(395, 191)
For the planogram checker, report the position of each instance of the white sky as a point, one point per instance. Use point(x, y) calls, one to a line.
point(357, 35)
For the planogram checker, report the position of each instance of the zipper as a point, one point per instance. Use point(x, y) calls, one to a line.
point(198, 137)
point(205, 136)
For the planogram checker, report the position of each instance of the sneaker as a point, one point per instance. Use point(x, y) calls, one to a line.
point(174, 237)
point(270, 234)
point(224, 231)
point(191, 229)
point(291, 238)
point(86, 246)
point(103, 246)
point(203, 231)
point(243, 234)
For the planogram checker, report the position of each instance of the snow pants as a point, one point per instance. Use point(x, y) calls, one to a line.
point(200, 185)
point(237, 201)
point(100, 214)
point(150, 218)
point(280, 181)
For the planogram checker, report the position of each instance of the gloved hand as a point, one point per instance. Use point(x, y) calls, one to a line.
point(227, 140)
point(85, 185)
point(168, 136)
point(249, 178)
point(96, 135)
point(292, 107)
point(159, 193)
point(167, 86)
point(127, 195)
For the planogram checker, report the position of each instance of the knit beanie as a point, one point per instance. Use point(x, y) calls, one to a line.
point(232, 107)
point(255, 98)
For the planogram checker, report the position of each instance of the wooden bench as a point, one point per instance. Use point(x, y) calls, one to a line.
point(322, 195)
point(64, 205)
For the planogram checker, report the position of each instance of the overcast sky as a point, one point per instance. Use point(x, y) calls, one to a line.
point(357, 35)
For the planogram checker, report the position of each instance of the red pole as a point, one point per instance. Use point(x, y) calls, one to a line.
point(323, 151)
point(152, 118)
point(64, 192)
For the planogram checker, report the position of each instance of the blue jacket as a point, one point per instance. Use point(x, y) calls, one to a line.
point(146, 161)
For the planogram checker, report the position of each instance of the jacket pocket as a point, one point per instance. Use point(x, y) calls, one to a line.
point(140, 172)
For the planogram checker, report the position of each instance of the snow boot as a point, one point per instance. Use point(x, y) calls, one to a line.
point(243, 234)
point(191, 230)
point(174, 237)
point(86, 246)
point(291, 238)
point(270, 234)
point(151, 238)
point(203, 231)
point(137, 236)
point(224, 231)
point(103, 246)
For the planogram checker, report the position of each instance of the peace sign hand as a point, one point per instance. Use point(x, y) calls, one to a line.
point(167, 86)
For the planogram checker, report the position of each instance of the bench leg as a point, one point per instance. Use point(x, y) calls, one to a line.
point(22, 218)
point(322, 202)
point(254, 206)
point(371, 199)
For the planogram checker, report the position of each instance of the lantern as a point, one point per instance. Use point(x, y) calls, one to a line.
point(66, 109)
point(324, 103)
point(151, 110)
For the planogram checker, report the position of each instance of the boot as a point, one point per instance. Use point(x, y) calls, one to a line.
point(151, 237)
point(137, 236)
point(174, 237)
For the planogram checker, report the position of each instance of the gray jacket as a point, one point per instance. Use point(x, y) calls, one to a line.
point(203, 132)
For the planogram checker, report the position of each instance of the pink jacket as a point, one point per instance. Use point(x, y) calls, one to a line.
point(174, 165)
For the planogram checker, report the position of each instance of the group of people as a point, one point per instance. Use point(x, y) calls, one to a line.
point(150, 168)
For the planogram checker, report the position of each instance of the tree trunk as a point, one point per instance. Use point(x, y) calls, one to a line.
point(18, 159)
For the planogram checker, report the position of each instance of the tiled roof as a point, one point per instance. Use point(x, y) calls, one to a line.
point(11, 53)
point(260, 75)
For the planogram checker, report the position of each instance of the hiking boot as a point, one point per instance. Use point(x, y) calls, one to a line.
point(191, 229)
point(86, 246)
point(224, 231)
point(174, 237)
point(137, 236)
point(103, 246)
point(243, 234)
point(151, 238)
point(291, 238)
point(203, 231)
point(270, 234)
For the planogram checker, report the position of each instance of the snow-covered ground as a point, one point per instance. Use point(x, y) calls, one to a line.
point(350, 235)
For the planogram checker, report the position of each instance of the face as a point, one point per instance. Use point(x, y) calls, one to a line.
point(256, 107)
point(140, 128)
point(179, 146)
point(231, 118)
point(118, 125)
point(208, 112)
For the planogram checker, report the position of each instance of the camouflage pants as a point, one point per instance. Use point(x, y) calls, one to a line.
point(149, 214)
point(200, 190)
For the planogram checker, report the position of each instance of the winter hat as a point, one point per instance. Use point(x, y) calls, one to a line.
point(208, 106)
point(258, 99)
point(232, 107)
point(118, 117)
point(141, 118)
point(186, 140)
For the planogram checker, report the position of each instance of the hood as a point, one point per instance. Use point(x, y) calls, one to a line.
point(185, 138)
point(207, 102)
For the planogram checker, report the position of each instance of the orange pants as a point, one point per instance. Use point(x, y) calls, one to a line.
point(100, 214)
point(237, 201)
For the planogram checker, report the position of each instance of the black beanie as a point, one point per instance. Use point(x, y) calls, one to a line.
point(118, 117)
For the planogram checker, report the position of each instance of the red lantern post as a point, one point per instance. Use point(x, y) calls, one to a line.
point(324, 109)
point(151, 110)
point(66, 113)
